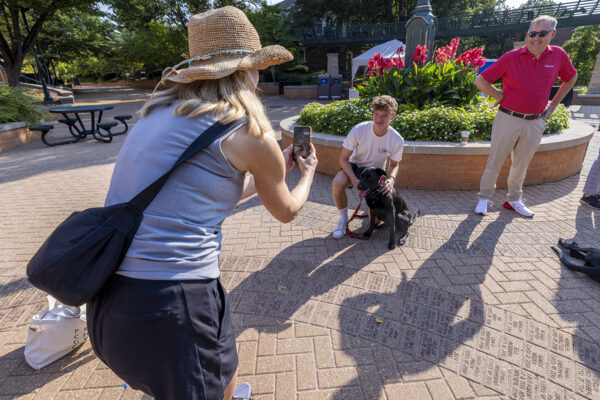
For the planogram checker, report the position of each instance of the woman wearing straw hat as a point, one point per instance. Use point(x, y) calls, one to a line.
point(162, 323)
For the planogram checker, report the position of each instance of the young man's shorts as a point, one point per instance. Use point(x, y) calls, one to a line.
point(357, 171)
point(170, 339)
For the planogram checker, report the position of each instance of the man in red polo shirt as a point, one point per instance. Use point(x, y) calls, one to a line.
point(527, 76)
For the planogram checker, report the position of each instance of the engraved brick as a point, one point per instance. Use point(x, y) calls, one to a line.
point(587, 381)
point(522, 385)
point(535, 359)
point(562, 371)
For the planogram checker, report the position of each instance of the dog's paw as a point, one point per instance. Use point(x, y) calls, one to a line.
point(391, 246)
point(401, 242)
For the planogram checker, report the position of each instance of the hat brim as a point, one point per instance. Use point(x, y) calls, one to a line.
point(224, 66)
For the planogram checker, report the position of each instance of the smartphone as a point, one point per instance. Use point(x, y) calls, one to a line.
point(301, 141)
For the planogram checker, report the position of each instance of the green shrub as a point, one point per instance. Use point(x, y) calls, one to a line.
point(438, 123)
point(16, 106)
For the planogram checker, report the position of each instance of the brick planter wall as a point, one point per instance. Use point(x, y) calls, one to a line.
point(453, 166)
point(15, 134)
point(300, 92)
point(269, 88)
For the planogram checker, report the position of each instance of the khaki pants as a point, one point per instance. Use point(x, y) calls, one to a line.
point(515, 136)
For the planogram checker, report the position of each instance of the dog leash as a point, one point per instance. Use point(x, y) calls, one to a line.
point(348, 231)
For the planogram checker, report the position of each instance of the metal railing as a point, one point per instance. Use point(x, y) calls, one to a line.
point(571, 14)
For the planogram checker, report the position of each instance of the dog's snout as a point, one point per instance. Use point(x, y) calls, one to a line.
point(361, 186)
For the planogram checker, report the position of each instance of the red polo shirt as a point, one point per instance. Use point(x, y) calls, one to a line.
point(526, 81)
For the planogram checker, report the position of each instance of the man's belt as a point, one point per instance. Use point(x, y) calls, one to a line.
point(519, 115)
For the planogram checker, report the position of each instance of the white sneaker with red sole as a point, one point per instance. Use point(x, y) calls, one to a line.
point(519, 207)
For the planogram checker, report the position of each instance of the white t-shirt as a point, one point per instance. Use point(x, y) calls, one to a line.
point(370, 150)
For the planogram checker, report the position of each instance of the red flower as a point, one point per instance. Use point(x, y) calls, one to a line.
point(447, 53)
point(378, 64)
point(472, 58)
point(420, 55)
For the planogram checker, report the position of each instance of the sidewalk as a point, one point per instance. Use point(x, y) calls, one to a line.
point(471, 307)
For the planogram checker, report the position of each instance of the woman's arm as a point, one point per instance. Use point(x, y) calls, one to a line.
point(249, 186)
point(265, 160)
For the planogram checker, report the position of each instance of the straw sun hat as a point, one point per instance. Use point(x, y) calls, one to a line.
point(223, 41)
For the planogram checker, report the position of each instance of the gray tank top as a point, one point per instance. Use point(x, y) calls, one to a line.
point(180, 235)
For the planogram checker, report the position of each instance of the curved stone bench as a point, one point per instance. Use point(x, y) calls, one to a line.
point(456, 166)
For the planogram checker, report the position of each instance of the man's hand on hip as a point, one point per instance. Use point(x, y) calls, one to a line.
point(548, 111)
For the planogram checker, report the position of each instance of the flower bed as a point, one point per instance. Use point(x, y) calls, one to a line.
point(435, 123)
point(456, 166)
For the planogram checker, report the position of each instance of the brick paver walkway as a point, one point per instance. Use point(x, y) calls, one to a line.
point(470, 307)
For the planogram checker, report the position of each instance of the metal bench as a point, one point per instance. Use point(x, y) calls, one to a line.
point(44, 130)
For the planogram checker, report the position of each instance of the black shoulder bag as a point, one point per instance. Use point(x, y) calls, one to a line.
point(88, 247)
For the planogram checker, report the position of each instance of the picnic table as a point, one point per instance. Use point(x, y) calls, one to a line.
point(79, 130)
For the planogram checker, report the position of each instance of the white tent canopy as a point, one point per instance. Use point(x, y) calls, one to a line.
point(387, 50)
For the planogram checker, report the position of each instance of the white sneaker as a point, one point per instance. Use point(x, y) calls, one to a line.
point(242, 392)
point(340, 228)
point(482, 205)
point(519, 207)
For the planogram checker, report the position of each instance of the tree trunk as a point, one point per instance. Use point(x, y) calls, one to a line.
point(14, 71)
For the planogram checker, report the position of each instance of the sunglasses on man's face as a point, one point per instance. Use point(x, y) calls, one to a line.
point(541, 34)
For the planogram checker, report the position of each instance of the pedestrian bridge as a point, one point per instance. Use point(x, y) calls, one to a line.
point(571, 14)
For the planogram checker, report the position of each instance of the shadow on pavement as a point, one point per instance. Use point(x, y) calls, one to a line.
point(293, 283)
point(409, 313)
point(575, 288)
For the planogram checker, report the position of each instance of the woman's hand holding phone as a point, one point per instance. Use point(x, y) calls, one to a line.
point(308, 164)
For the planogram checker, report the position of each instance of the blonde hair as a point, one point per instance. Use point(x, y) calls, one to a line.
point(545, 18)
point(385, 102)
point(231, 97)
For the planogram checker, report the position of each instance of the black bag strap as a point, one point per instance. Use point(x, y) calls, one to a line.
point(215, 131)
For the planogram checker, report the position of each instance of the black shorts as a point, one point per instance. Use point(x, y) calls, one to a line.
point(356, 169)
point(170, 339)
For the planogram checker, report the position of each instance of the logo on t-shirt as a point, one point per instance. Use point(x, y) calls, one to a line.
point(383, 150)
point(548, 66)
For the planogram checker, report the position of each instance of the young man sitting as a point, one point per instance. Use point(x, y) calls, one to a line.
point(369, 144)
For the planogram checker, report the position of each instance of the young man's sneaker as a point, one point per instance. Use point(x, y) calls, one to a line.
point(592, 201)
point(519, 207)
point(340, 228)
point(481, 207)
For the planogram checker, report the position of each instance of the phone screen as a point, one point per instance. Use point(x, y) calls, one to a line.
point(301, 141)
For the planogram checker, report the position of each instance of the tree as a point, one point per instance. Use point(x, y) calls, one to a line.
point(15, 39)
point(583, 48)
point(76, 35)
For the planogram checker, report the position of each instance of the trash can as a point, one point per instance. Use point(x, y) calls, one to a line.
point(567, 100)
point(324, 86)
point(336, 87)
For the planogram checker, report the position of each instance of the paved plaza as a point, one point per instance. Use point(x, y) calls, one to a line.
point(470, 308)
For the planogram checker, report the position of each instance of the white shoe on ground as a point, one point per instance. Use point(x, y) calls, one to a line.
point(519, 207)
point(481, 207)
point(340, 228)
point(242, 392)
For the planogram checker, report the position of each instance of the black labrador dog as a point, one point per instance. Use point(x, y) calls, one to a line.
point(589, 255)
point(391, 209)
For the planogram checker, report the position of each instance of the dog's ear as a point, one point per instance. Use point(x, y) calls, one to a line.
point(381, 172)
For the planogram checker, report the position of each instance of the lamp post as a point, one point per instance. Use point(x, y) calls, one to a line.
point(47, 97)
point(420, 29)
